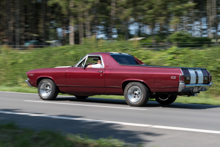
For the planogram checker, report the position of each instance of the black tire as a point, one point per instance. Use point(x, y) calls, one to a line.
point(136, 94)
point(47, 89)
point(81, 97)
point(165, 99)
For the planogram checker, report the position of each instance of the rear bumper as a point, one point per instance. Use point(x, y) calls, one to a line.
point(194, 88)
point(28, 83)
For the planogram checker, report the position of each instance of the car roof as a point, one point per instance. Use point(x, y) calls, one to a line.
point(109, 53)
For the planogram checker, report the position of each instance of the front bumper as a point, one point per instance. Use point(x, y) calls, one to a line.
point(28, 83)
point(194, 88)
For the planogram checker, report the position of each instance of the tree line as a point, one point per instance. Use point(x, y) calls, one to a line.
point(73, 20)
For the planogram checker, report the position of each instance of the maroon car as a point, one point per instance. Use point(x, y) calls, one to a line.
point(119, 74)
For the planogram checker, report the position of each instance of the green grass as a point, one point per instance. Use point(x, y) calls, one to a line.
point(13, 136)
point(18, 89)
point(202, 98)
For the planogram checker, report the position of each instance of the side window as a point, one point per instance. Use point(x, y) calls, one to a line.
point(125, 59)
point(91, 61)
point(94, 62)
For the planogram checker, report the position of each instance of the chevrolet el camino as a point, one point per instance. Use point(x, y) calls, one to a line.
point(113, 73)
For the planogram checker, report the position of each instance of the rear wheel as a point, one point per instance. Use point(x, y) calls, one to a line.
point(47, 89)
point(81, 97)
point(136, 94)
point(164, 99)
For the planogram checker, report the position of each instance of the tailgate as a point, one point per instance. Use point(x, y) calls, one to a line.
point(196, 76)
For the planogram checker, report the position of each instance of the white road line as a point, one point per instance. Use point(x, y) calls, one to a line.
point(77, 104)
point(115, 122)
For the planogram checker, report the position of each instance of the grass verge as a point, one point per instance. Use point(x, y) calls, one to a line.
point(13, 136)
point(202, 98)
point(18, 89)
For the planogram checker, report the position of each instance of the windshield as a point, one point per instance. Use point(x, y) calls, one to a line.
point(125, 59)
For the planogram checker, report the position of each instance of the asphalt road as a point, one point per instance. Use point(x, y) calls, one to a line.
point(178, 125)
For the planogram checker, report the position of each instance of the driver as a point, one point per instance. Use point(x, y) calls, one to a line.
point(98, 65)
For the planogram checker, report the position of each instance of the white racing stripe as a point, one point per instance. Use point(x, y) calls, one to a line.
point(76, 104)
point(193, 76)
point(116, 122)
point(200, 74)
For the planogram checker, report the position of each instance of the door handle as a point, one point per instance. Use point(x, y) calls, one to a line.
point(100, 71)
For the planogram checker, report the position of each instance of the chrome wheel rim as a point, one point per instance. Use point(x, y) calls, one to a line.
point(164, 97)
point(45, 89)
point(134, 94)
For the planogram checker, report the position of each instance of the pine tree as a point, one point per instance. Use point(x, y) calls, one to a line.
point(113, 7)
point(64, 5)
point(211, 15)
point(71, 25)
point(17, 23)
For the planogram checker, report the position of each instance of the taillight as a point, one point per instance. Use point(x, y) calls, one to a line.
point(210, 76)
point(181, 78)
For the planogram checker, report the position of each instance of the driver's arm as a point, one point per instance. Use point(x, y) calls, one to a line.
point(89, 66)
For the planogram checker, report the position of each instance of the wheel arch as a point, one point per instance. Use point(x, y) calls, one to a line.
point(124, 83)
point(44, 77)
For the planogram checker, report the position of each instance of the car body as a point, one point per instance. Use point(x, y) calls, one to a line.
point(35, 44)
point(122, 74)
point(54, 43)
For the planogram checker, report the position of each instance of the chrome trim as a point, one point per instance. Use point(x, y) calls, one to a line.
point(62, 66)
point(45, 89)
point(28, 83)
point(119, 53)
point(188, 87)
point(198, 85)
point(134, 94)
point(181, 71)
point(181, 87)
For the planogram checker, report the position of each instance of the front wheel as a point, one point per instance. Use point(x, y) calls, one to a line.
point(164, 99)
point(136, 94)
point(47, 89)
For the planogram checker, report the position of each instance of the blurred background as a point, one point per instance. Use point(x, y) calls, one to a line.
point(49, 33)
point(60, 22)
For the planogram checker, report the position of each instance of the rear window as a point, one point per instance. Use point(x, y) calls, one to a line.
point(125, 59)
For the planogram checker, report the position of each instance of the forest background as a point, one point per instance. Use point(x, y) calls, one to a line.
point(73, 20)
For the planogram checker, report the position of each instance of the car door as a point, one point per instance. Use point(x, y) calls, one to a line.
point(86, 81)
